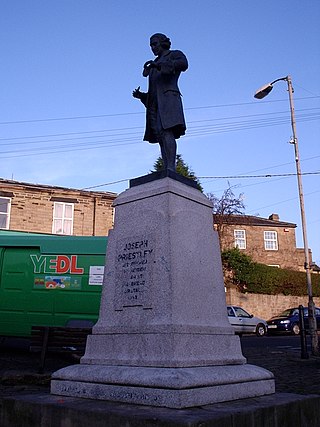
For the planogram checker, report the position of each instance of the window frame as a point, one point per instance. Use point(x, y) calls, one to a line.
point(244, 239)
point(270, 241)
point(6, 214)
point(62, 218)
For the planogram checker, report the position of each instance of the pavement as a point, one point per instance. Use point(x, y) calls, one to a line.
point(292, 373)
point(19, 368)
point(25, 400)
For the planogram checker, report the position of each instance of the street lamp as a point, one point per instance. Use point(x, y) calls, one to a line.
point(261, 93)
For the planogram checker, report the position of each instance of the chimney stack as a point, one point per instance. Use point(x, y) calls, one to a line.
point(274, 217)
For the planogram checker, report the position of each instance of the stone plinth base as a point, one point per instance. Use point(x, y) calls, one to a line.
point(163, 337)
point(168, 387)
point(163, 300)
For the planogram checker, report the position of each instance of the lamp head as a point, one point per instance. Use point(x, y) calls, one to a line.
point(263, 91)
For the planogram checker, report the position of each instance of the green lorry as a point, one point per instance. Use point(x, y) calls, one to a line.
point(48, 280)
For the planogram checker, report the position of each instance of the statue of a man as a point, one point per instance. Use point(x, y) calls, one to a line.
point(165, 120)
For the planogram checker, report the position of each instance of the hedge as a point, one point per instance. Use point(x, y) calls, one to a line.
point(257, 278)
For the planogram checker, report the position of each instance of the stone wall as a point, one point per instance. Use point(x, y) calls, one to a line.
point(265, 306)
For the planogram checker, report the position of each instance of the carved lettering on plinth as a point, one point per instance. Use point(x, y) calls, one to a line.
point(134, 272)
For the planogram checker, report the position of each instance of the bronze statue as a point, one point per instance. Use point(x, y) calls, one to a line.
point(165, 120)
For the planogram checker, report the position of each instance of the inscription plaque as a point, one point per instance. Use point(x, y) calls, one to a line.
point(133, 273)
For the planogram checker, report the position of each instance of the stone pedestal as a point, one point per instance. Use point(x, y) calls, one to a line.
point(163, 337)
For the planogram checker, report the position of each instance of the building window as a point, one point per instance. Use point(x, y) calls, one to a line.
point(270, 241)
point(240, 239)
point(5, 205)
point(62, 218)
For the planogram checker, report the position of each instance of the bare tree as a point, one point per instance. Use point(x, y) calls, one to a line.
point(224, 210)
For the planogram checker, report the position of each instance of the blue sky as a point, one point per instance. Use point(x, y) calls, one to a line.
point(68, 68)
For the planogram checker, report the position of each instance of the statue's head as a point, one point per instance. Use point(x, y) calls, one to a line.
point(163, 39)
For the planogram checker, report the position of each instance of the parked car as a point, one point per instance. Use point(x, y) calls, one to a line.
point(288, 321)
point(244, 323)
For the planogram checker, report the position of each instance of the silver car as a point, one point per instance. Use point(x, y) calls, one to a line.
point(245, 323)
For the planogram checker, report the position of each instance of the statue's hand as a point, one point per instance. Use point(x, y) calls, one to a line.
point(151, 64)
point(136, 93)
point(147, 67)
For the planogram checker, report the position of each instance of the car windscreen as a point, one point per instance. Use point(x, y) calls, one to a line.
point(289, 312)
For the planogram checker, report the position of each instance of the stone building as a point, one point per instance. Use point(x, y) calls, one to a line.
point(267, 240)
point(56, 210)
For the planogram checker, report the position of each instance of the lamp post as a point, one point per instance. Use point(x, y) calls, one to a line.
point(261, 93)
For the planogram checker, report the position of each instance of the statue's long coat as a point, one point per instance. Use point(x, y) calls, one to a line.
point(165, 83)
